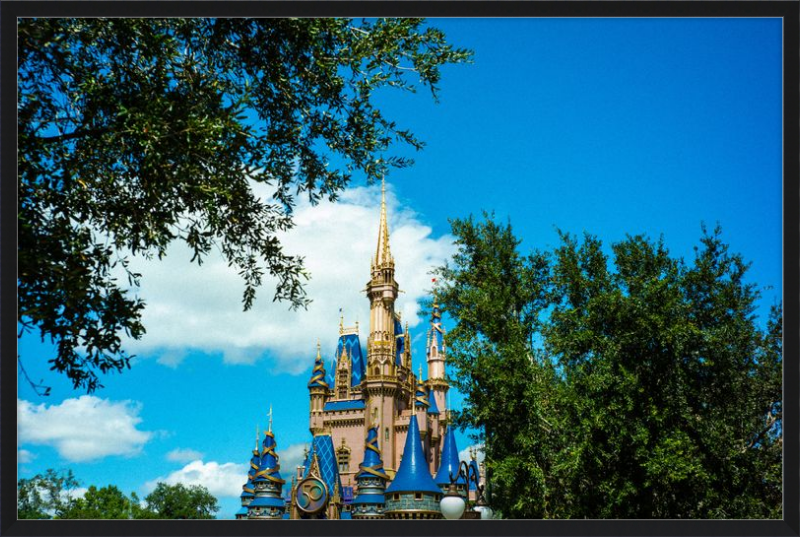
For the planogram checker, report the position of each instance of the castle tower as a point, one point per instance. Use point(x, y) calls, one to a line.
point(382, 386)
point(369, 503)
point(450, 465)
point(318, 389)
point(267, 502)
point(436, 354)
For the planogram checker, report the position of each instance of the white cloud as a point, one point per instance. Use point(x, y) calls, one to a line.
point(83, 429)
point(199, 308)
point(184, 455)
point(24, 456)
point(464, 454)
point(291, 458)
point(221, 480)
point(77, 492)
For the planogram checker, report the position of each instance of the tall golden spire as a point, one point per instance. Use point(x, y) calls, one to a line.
point(383, 255)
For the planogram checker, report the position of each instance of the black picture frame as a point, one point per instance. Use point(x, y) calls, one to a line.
point(788, 11)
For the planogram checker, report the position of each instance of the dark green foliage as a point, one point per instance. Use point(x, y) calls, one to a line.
point(179, 502)
point(638, 388)
point(104, 503)
point(134, 133)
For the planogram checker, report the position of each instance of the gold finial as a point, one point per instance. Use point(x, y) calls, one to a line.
point(341, 322)
point(383, 254)
point(256, 448)
point(319, 350)
point(420, 373)
point(356, 325)
point(270, 417)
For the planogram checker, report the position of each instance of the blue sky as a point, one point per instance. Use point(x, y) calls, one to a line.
point(609, 126)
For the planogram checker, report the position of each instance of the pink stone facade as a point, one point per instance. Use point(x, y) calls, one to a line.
point(389, 388)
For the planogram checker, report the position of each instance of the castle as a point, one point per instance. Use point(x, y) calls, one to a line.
point(379, 437)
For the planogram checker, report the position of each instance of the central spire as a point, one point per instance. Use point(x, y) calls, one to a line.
point(383, 255)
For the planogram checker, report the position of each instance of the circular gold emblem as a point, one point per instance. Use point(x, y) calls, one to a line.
point(312, 495)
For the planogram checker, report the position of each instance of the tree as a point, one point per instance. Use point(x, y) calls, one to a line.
point(496, 297)
point(46, 495)
point(134, 133)
point(179, 501)
point(105, 503)
point(653, 391)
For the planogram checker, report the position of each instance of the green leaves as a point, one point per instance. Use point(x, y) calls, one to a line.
point(647, 388)
point(51, 495)
point(134, 133)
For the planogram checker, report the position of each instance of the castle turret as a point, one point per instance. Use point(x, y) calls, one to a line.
point(318, 391)
point(413, 492)
point(436, 354)
point(381, 385)
point(267, 502)
point(382, 290)
point(369, 502)
point(450, 464)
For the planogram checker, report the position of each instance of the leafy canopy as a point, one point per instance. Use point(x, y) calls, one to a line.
point(48, 495)
point(53, 495)
point(179, 501)
point(630, 385)
point(134, 133)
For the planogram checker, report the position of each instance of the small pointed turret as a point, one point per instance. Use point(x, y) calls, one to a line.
point(319, 390)
point(450, 464)
point(413, 493)
point(267, 502)
point(318, 373)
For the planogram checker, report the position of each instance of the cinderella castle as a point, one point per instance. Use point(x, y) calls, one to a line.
point(381, 445)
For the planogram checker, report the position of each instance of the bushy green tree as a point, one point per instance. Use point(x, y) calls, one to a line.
point(134, 133)
point(652, 390)
point(179, 502)
point(104, 503)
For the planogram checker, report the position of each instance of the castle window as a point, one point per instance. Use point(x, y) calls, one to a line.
point(418, 496)
point(343, 457)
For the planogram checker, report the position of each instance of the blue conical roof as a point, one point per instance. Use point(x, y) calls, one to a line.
point(413, 475)
point(372, 465)
point(450, 460)
point(318, 373)
point(269, 467)
point(432, 408)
